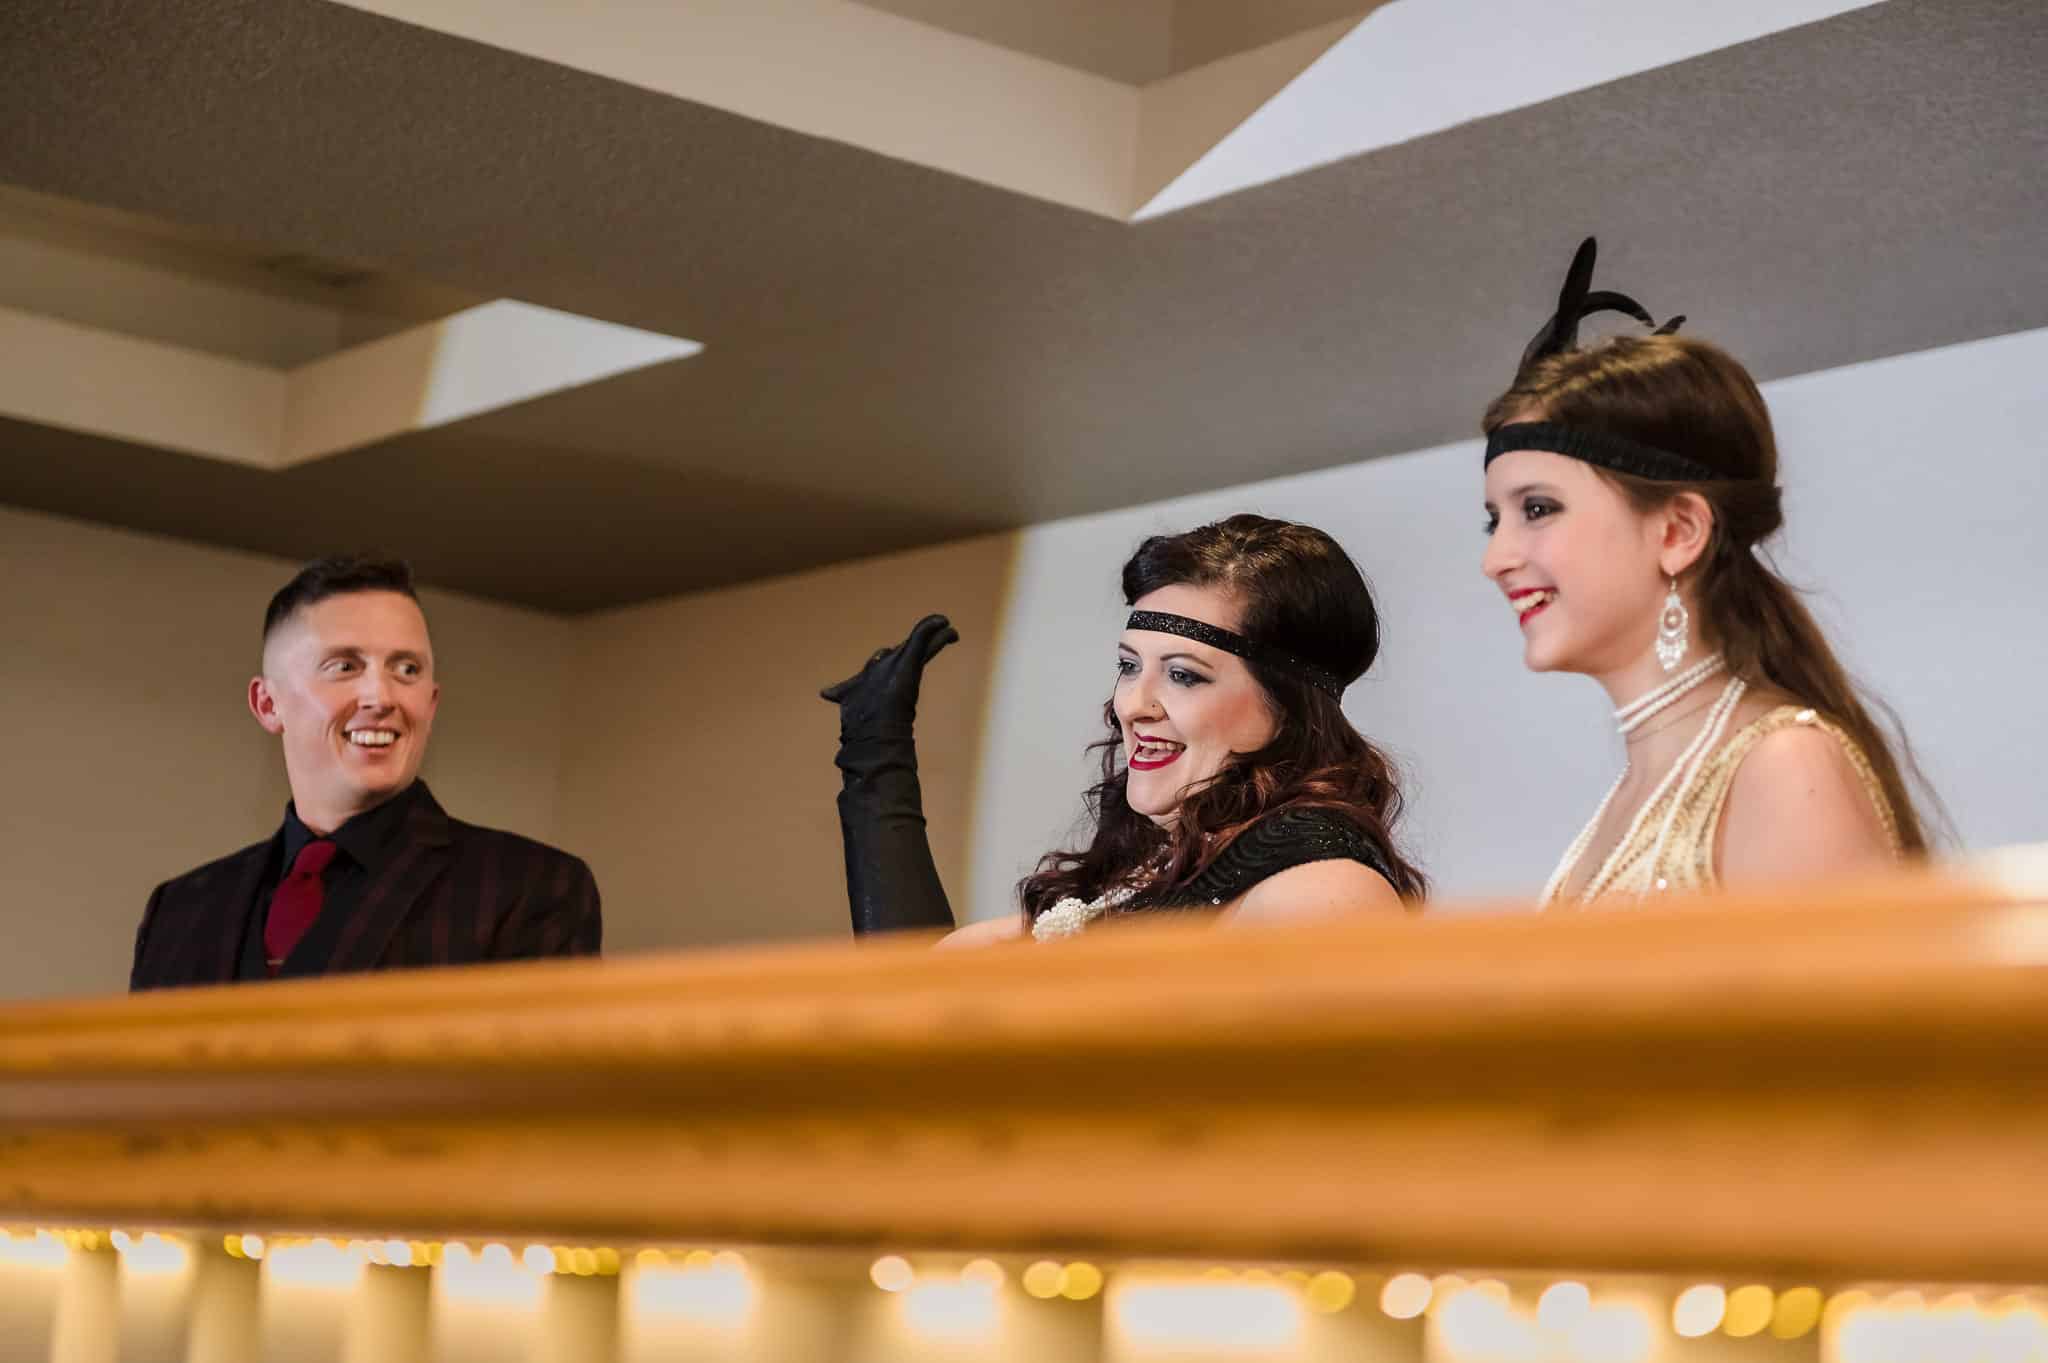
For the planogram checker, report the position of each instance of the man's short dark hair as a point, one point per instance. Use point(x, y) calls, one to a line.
point(337, 575)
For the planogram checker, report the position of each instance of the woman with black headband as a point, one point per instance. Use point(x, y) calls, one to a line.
point(1231, 780)
point(1629, 487)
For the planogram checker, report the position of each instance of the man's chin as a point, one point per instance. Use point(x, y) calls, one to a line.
point(377, 787)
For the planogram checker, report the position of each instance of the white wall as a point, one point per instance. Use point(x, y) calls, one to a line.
point(1916, 504)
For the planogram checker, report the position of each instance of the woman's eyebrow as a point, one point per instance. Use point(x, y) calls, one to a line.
point(1167, 657)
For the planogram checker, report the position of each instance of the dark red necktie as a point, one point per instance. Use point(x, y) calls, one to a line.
point(296, 903)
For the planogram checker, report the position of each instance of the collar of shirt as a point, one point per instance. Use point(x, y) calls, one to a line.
point(367, 838)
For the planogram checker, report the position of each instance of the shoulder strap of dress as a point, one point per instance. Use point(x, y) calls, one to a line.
point(1719, 774)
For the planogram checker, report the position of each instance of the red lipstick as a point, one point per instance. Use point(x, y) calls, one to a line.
point(1165, 753)
point(1516, 599)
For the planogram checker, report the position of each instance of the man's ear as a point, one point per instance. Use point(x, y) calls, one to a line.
point(1688, 530)
point(263, 705)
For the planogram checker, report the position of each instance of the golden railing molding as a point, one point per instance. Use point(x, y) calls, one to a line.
point(1829, 1082)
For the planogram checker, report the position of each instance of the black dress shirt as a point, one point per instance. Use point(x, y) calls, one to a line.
point(366, 844)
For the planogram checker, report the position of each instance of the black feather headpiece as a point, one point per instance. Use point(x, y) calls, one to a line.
point(1576, 301)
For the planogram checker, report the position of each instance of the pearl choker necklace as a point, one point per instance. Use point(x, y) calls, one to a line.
point(1643, 708)
point(1676, 783)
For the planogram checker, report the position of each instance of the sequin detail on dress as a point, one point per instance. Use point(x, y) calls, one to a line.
point(1686, 859)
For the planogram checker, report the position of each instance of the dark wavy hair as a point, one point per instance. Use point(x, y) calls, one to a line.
point(1693, 398)
point(1299, 592)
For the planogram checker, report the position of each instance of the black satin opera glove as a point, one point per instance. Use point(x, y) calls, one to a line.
point(891, 881)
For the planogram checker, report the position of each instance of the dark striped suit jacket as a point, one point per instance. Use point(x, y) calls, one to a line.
point(454, 894)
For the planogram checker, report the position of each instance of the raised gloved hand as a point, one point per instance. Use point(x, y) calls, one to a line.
point(881, 698)
point(891, 881)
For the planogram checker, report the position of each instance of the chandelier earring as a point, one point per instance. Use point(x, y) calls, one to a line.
point(1674, 630)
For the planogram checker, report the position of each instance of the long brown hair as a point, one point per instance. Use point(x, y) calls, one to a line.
point(1692, 398)
point(1302, 593)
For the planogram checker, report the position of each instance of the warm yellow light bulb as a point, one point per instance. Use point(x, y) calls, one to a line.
point(1405, 1296)
point(986, 1271)
point(1330, 1292)
point(1749, 1310)
point(1080, 1281)
point(892, 1273)
point(1042, 1280)
point(1796, 1313)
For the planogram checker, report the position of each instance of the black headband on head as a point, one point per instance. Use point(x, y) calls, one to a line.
point(1596, 447)
point(1214, 636)
point(1577, 301)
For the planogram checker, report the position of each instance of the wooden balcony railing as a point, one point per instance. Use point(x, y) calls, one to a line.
point(1839, 1082)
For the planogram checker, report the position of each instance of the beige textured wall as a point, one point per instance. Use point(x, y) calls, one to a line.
point(699, 778)
point(129, 756)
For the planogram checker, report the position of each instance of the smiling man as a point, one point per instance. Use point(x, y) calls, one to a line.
point(367, 871)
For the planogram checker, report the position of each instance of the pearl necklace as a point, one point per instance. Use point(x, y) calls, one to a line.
point(1639, 711)
point(1628, 718)
point(1681, 776)
point(1070, 915)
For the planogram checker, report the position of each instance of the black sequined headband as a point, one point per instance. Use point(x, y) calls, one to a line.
point(1577, 301)
point(1203, 632)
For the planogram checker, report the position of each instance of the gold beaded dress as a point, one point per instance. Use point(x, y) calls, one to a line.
point(1639, 866)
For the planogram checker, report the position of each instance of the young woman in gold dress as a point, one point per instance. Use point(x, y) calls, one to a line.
point(1629, 486)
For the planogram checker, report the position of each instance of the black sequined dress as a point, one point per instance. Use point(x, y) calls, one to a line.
point(1293, 837)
